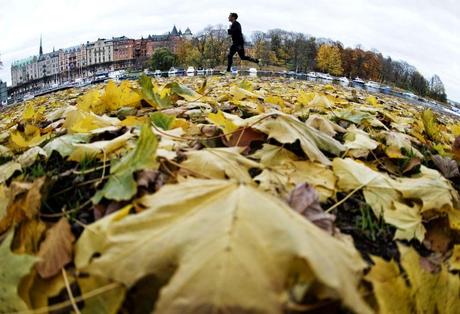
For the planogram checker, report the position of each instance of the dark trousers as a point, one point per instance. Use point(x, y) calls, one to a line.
point(240, 50)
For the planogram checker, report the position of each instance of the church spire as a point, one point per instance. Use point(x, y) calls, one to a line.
point(41, 46)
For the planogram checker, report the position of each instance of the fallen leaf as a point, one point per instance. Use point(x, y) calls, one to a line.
point(454, 260)
point(358, 142)
point(272, 155)
point(426, 292)
point(153, 95)
point(407, 220)
point(456, 148)
point(64, 144)
point(118, 96)
point(378, 188)
point(220, 163)
point(287, 129)
point(438, 237)
point(8, 169)
point(161, 120)
point(226, 125)
point(431, 188)
point(244, 137)
point(447, 166)
point(29, 157)
point(324, 125)
point(183, 91)
point(56, 250)
point(78, 121)
point(14, 267)
point(431, 125)
point(108, 303)
point(24, 201)
point(121, 184)
point(99, 149)
point(27, 236)
point(398, 145)
point(207, 264)
point(304, 200)
point(29, 138)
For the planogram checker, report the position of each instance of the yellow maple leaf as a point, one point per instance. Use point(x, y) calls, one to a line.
point(205, 266)
point(226, 125)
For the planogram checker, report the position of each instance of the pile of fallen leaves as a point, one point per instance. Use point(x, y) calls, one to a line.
point(228, 195)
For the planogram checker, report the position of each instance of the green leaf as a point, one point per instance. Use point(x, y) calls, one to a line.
point(13, 268)
point(161, 120)
point(121, 184)
point(155, 97)
point(183, 91)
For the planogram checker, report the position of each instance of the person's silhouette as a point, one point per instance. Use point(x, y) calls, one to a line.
point(238, 42)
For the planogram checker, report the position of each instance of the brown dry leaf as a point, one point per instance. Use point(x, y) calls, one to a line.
point(27, 236)
point(447, 166)
point(24, 203)
point(413, 163)
point(456, 148)
point(438, 237)
point(244, 137)
point(56, 250)
point(305, 200)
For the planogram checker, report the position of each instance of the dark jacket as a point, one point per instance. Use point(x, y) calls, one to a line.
point(237, 34)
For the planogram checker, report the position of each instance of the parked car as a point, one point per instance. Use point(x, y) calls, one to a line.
point(172, 71)
point(359, 81)
point(28, 96)
point(410, 95)
point(324, 76)
point(372, 84)
point(385, 89)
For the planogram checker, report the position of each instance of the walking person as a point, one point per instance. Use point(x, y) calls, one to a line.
point(237, 42)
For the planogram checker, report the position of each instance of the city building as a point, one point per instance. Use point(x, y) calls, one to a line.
point(168, 40)
point(22, 70)
point(72, 62)
point(123, 48)
point(100, 51)
point(44, 66)
point(3, 93)
point(102, 55)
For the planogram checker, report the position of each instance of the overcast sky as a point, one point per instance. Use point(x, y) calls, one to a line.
point(424, 33)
